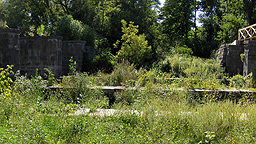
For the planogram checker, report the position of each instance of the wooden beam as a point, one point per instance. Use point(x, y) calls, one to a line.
point(247, 33)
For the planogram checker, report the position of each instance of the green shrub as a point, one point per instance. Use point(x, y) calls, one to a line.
point(183, 50)
point(245, 82)
point(6, 81)
point(72, 66)
point(197, 72)
point(89, 35)
point(104, 60)
point(6, 95)
point(71, 29)
point(134, 48)
point(123, 73)
point(174, 64)
point(189, 66)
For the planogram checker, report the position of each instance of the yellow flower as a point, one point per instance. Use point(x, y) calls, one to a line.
point(148, 73)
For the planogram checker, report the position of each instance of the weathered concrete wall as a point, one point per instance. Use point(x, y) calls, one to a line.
point(250, 57)
point(90, 52)
point(30, 53)
point(73, 49)
point(234, 64)
point(229, 57)
point(39, 53)
point(9, 48)
point(221, 55)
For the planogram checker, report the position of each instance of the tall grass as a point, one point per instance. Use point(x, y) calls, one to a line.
point(158, 113)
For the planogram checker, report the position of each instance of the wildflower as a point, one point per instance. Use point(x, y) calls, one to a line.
point(148, 74)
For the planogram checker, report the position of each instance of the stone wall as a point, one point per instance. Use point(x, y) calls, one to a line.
point(234, 64)
point(221, 55)
point(39, 53)
point(51, 52)
point(229, 56)
point(249, 57)
point(28, 54)
point(9, 48)
point(73, 49)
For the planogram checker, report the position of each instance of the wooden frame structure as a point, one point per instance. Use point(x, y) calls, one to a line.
point(247, 33)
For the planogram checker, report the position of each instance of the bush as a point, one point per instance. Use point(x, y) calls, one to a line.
point(239, 81)
point(104, 60)
point(183, 50)
point(89, 35)
point(71, 29)
point(174, 64)
point(189, 66)
point(200, 73)
point(124, 73)
point(134, 47)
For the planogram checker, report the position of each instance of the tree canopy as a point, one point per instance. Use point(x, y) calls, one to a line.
point(162, 28)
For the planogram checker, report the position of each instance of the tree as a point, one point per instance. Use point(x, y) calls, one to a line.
point(71, 29)
point(44, 12)
point(232, 18)
point(250, 11)
point(221, 21)
point(141, 12)
point(134, 48)
point(83, 10)
point(229, 27)
point(104, 10)
point(177, 15)
point(16, 15)
point(29, 15)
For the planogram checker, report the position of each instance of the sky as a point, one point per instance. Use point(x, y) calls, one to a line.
point(162, 2)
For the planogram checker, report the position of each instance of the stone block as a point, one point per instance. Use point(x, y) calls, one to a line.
point(9, 48)
point(41, 53)
point(30, 53)
point(229, 57)
point(73, 49)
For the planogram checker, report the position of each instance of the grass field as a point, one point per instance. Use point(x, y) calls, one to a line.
point(31, 114)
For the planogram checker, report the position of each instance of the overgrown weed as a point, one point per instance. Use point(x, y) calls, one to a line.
point(156, 113)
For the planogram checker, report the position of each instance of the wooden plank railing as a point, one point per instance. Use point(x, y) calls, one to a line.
point(247, 33)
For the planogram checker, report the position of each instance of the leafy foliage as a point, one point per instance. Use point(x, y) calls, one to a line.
point(69, 28)
point(229, 28)
point(104, 60)
point(134, 48)
point(3, 24)
point(183, 50)
point(72, 66)
point(6, 82)
point(177, 19)
point(123, 73)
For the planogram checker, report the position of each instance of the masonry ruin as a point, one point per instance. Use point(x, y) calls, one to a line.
point(239, 57)
point(29, 54)
point(9, 48)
